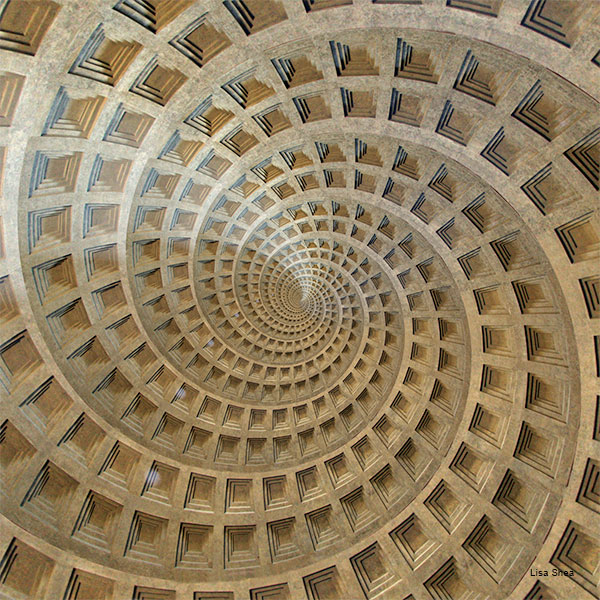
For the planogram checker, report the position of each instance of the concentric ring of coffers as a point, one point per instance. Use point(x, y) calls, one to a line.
point(130, 451)
point(434, 425)
point(226, 444)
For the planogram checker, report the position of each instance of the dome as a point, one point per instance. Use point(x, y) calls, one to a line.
point(299, 300)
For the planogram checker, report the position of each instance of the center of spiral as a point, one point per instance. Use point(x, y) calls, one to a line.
point(298, 297)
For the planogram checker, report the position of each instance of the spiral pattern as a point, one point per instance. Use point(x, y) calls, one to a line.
point(299, 300)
